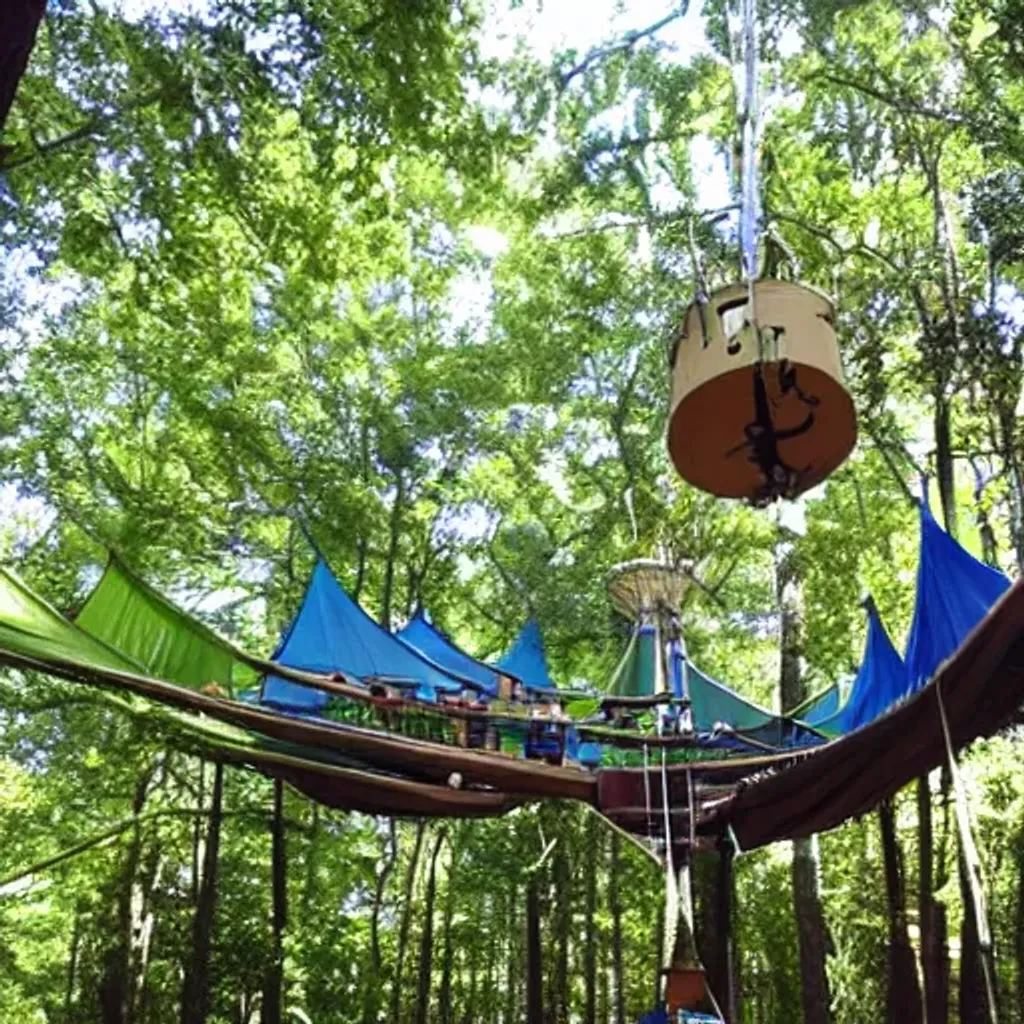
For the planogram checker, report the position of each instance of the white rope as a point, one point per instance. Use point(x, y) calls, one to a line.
point(671, 933)
point(972, 861)
point(693, 823)
point(647, 791)
point(666, 812)
point(749, 183)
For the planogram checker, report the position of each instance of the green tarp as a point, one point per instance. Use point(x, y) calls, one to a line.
point(711, 703)
point(637, 672)
point(133, 618)
point(819, 706)
point(31, 627)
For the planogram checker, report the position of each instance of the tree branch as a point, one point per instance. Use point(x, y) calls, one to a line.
point(627, 42)
point(9, 161)
point(712, 216)
point(113, 832)
point(904, 106)
point(826, 236)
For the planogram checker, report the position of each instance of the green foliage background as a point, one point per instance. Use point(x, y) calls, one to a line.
point(335, 263)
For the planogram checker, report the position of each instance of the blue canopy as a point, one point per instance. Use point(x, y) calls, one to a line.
point(424, 637)
point(526, 660)
point(880, 682)
point(954, 593)
point(332, 633)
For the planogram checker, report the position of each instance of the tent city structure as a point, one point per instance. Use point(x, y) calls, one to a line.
point(359, 718)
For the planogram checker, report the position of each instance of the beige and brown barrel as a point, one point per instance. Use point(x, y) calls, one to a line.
point(712, 422)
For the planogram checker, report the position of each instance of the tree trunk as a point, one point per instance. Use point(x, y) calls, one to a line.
point(810, 919)
point(659, 950)
point(469, 1015)
point(812, 934)
point(1014, 480)
point(21, 22)
point(534, 971)
point(934, 932)
point(514, 959)
point(388, 591)
point(944, 465)
point(197, 835)
point(116, 988)
point(69, 987)
point(195, 998)
point(491, 1001)
point(713, 883)
point(273, 985)
point(406, 920)
point(445, 1012)
point(563, 918)
point(931, 969)
point(372, 992)
point(619, 1015)
point(722, 967)
point(143, 929)
point(1018, 924)
point(973, 1000)
point(593, 847)
point(427, 937)
point(309, 893)
point(903, 993)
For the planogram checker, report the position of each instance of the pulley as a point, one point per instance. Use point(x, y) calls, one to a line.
point(759, 408)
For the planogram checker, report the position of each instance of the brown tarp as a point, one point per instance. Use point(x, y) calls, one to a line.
point(422, 759)
point(349, 789)
point(981, 686)
point(762, 799)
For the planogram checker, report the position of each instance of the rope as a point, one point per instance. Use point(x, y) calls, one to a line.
point(750, 191)
point(666, 812)
point(647, 792)
point(689, 796)
point(972, 861)
point(671, 934)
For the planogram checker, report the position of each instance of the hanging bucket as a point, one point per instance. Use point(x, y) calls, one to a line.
point(684, 987)
point(759, 417)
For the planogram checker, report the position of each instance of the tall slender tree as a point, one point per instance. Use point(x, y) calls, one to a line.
point(810, 918)
point(196, 994)
point(271, 1005)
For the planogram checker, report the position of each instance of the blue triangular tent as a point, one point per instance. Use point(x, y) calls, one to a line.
point(954, 593)
point(880, 682)
point(332, 633)
point(420, 634)
point(526, 660)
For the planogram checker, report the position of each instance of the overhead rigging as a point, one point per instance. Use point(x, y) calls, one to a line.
point(759, 409)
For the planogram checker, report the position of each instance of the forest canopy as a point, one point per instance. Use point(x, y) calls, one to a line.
point(397, 282)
